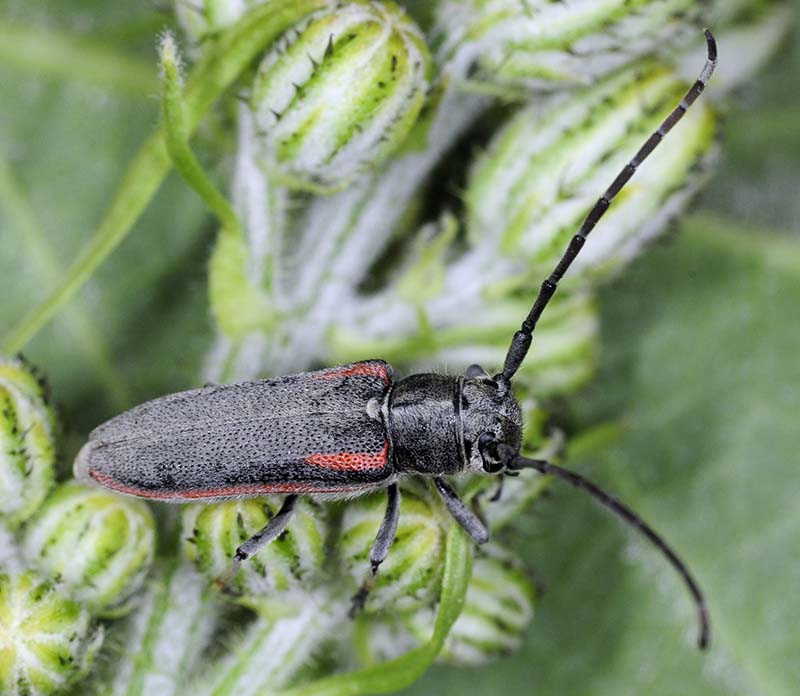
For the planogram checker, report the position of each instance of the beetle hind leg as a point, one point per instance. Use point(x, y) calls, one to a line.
point(271, 531)
point(380, 549)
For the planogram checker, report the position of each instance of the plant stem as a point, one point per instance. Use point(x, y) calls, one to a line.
point(233, 52)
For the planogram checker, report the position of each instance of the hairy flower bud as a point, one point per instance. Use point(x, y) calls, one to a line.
point(411, 574)
point(213, 532)
point(339, 93)
point(99, 545)
point(27, 449)
point(518, 46)
point(548, 166)
point(46, 640)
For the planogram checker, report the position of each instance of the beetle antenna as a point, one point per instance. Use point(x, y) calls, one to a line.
point(516, 462)
point(521, 342)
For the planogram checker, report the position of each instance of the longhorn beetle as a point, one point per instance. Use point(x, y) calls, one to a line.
point(349, 430)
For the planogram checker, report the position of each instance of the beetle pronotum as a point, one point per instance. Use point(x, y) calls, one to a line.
point(353, 429)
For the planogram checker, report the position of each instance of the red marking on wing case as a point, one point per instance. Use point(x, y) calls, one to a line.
point(364, 369)
point(244, 489)
point(351, 461)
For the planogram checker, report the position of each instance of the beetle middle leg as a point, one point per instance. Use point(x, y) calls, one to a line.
point(271, 531)
point(380, 548)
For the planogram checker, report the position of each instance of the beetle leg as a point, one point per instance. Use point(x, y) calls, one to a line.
point(470, 522)
point(272, 530)
point(380, 548)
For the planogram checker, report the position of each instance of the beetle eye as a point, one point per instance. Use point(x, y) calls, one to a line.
point(487, 446)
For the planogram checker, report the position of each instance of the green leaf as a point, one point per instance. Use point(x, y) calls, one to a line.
point(699, 361)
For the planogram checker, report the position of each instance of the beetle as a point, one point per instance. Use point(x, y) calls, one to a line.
point(349, 430)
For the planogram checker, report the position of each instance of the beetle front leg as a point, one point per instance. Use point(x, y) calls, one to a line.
point(380, 548)
point(271, 531)
point(468, 520)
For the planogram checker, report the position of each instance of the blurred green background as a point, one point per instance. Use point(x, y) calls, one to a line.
point(700, 344)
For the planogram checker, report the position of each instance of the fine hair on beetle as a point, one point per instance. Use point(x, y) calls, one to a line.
point(353, 429)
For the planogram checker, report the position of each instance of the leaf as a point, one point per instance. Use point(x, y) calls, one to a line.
point(699, 360)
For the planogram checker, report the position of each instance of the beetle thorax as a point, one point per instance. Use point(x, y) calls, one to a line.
point(434, 422)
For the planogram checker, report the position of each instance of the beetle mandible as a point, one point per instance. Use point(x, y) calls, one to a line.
point(349, 430)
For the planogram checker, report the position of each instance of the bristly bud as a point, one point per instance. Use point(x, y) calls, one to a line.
point(27, 442)
point(411, 574)
point(521, 46)
point(100, 546)
point(293, 561)
point(339, 93)
point(46, 640)
point(547, 167)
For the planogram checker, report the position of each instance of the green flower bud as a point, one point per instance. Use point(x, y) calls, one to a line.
point(27, 435)
point(548, 166)
point(46, 640)
point(291, 562)
point(411, 574)
point(99, 545)
point(339, 93)
point(540, 44)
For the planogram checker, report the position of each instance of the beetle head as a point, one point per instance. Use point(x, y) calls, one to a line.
point(490, 413)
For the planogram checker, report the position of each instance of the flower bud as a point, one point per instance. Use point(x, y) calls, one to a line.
point(27, 442)
point(339, 93)
point(411, 574)
point(293, 561)
point(516, 47)
point(99, 545)
point(548, 166)
point(46, 640)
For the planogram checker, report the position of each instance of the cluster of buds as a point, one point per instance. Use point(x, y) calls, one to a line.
point(71, 555)
point(347, 119)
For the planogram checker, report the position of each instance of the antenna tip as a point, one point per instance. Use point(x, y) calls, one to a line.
point(705, 628)
point(711, 42)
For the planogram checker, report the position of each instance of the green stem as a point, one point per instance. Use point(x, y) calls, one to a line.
point(229, 57)
point(176, 137)
point(49, 53)
point(392, 675)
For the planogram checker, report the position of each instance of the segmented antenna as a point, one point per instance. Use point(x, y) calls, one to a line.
point(515, 462)
point(521, 341)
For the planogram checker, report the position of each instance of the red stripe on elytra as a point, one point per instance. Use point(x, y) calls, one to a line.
point(351, 461)
point(359, 369)
point(244, 489)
